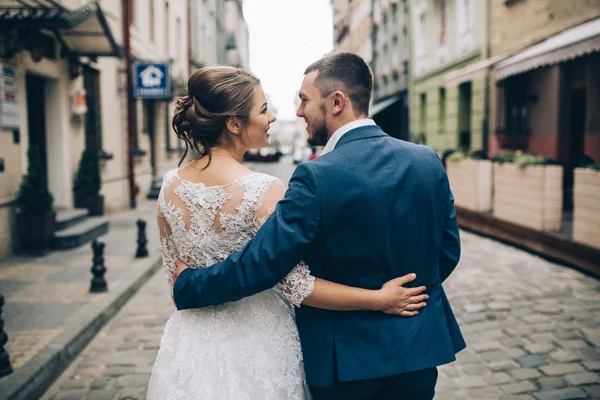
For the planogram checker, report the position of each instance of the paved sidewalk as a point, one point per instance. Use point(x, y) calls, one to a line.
point(118, 362)
point(533, 329)
point(49, 313)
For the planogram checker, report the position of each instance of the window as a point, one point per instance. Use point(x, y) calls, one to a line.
point(93, 117)
point(151, 19)
point(442, 111)
point(423, 114)
point(517, 110)
point(442, 22)
point(166, 24)
point(463, 16)
point(179, 42)
point(465, 101)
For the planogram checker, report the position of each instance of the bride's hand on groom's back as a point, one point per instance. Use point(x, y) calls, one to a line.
point(400, 300)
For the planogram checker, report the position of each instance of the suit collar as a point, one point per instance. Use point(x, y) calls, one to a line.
point(363, 132)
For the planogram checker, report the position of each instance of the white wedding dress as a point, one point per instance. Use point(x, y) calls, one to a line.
point(244, 350)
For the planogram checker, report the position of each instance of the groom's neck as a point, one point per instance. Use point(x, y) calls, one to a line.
point(344, 121)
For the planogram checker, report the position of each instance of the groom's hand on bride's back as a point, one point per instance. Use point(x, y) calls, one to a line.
point(400, 300)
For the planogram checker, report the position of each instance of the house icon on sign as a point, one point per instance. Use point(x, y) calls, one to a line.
point(151, 76)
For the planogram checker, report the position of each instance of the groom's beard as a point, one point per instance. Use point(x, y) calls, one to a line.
point(319, 136)
point(320, 133)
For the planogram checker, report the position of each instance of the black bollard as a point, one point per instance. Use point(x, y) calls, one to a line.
point(142, 251)
point(98, 284)
point(5, 367)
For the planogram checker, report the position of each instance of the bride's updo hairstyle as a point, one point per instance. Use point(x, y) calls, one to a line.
point(215, 94)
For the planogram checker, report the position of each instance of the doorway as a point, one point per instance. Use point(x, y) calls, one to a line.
point(575, 142)
point(93, 117)
point(393, 120)
point(464, 116)
point(36, 118)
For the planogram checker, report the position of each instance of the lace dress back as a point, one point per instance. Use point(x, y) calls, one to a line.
point(243, 350)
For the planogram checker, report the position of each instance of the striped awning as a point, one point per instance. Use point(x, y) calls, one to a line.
point(567, 45)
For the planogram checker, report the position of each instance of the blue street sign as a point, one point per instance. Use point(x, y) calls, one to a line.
point(151, 81)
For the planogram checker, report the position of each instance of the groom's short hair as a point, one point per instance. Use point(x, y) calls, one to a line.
point(347, 72)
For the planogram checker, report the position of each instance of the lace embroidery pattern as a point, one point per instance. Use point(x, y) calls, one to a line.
point(248, 349)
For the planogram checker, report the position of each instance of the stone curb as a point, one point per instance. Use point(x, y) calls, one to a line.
point(33, 379)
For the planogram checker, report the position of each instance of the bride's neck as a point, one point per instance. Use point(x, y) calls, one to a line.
point(235, 153)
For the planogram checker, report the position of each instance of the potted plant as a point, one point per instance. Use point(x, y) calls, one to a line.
point(528, 191)
point(87, 184)
point(586, 206)
point(470, 179)
point(35, 216)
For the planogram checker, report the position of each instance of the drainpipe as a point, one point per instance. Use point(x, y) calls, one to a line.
point(130, 104)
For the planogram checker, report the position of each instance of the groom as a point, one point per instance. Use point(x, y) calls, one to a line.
point(370, 209)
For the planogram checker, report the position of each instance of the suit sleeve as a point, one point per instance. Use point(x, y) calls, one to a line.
point(450, 249)
point(277, 248)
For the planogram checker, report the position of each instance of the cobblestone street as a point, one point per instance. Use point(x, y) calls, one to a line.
point(532, 328)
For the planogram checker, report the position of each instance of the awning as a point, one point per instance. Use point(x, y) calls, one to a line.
point(382, 105)
point(572, 43)
point(82, 32)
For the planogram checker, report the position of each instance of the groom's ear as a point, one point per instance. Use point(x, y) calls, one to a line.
point(339, 102)
point(234, 125)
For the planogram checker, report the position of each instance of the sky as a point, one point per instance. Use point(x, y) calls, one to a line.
point(286, 36)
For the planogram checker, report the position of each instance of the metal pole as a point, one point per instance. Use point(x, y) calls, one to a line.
point(130, 105)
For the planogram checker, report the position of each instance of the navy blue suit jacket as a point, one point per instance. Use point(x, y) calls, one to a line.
point(374, 209)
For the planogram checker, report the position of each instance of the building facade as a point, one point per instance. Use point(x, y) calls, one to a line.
point(449, 37)
point(341, 25)
point(70, 95)
point(236, 46)
point(543, 96)
point(159, 33)
point(208, 34)
point(545, 89)
point(353, 27)
point(57, 53)
point(390, 65)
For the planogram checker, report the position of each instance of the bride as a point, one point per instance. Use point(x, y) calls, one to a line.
point(209, 209)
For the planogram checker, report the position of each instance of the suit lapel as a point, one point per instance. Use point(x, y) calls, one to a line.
point(363, 132)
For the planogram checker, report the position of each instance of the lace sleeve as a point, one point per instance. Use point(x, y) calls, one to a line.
point(169, 250)
point(299, 283)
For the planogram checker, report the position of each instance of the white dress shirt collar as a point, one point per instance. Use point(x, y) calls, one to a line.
point(337, 135)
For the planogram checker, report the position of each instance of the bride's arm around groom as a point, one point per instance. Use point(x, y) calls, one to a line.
point(279, 245)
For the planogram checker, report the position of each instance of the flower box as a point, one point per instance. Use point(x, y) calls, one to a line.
point(586, 209)
point(471, 183)
point(531, 196)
